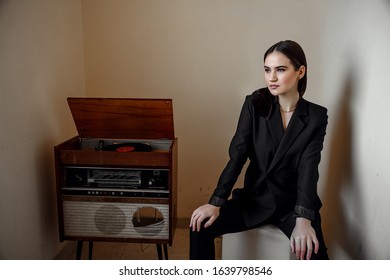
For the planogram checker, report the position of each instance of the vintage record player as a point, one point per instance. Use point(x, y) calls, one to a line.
point(117, 179)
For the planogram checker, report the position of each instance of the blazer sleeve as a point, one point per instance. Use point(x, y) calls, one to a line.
point(238, 155)
point(308, 175)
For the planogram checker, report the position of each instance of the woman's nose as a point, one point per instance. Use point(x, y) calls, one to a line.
point(273, 77)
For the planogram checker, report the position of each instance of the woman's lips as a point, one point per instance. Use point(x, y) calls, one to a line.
point(274, 86)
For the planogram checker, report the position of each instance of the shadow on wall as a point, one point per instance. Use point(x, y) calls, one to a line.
point(343, 232)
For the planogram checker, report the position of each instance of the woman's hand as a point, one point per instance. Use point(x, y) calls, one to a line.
point(203, 212)
point(302, 239)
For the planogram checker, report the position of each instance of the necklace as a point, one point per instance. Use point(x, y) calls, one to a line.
point(289, 111)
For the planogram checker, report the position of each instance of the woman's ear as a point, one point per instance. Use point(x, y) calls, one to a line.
point(301, 71)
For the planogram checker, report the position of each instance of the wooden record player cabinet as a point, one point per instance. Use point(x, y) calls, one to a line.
point(90, 212)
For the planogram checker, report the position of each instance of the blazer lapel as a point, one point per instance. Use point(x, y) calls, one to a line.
point(293, 130)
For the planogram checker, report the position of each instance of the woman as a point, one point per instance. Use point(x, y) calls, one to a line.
point(282, 135)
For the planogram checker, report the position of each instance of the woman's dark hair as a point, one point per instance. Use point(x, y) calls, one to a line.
point(295, 53)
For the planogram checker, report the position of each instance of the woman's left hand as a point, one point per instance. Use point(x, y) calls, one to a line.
point(302, 239)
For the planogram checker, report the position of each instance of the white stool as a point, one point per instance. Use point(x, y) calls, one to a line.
point(263, 243)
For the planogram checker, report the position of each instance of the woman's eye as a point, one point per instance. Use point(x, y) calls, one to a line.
point(281, 70)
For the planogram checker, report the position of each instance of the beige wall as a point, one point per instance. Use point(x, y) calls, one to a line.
point(206, 55)
point(41, 63)
point(356, 82)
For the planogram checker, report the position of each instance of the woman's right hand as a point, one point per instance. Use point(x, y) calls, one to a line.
point(206, 211)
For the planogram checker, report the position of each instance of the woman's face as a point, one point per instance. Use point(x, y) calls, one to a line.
point(280, 75)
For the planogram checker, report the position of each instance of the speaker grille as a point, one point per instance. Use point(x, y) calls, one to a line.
point(110, 219)
point(119, 220)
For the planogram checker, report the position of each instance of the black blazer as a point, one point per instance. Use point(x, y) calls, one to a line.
point(282, 174)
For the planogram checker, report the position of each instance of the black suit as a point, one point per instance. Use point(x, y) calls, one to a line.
point(281, 179)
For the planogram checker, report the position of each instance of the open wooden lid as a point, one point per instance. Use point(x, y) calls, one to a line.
point(123, 118)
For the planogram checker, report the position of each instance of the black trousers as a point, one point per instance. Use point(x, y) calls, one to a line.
point(230, 220)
